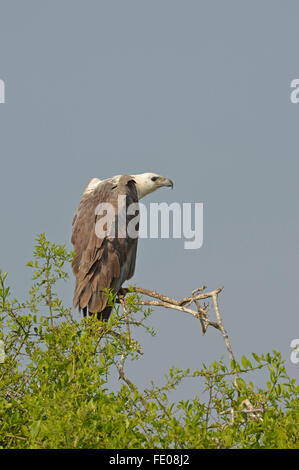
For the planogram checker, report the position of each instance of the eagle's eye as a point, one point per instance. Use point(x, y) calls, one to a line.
point(154, 178)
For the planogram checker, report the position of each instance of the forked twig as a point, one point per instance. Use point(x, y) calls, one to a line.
point(128, 381)
point(184, 305)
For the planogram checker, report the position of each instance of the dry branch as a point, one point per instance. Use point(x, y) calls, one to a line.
point(184, 305)
point(200, 312)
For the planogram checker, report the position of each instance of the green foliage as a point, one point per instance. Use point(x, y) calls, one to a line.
point(54, 389)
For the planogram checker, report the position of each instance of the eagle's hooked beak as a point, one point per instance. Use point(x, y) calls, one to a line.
point(167, 182)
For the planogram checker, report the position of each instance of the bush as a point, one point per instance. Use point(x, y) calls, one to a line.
point(54, 392)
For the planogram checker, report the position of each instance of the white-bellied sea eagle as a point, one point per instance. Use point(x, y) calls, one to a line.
point(106, 261)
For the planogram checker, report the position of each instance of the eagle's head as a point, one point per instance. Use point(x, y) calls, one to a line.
point(146, 183)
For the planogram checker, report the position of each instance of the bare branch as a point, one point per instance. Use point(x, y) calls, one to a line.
point(184, 305)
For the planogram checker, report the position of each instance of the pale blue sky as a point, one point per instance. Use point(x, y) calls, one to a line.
point(197, 91)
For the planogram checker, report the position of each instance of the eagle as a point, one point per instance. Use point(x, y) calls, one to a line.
point(105, 259)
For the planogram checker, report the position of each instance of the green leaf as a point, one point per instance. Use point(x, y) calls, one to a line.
point(246, 363)
point(34, 429)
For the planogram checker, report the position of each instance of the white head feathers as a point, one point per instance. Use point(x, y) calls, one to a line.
point(146, 183)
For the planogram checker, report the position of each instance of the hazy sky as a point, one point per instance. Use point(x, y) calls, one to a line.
point(198, 91)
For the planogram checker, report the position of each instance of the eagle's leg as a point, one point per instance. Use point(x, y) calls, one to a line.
point(104, 314)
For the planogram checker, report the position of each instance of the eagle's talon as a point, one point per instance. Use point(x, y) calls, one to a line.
point(123, 291)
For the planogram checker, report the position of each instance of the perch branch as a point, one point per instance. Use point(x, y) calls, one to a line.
point(184, 305)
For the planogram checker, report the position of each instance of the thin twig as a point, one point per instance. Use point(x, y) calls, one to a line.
point(123, 303)
point(126, 380)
